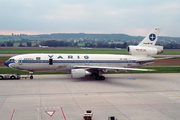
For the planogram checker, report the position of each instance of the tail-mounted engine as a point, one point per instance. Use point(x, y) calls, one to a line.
point(140, 50)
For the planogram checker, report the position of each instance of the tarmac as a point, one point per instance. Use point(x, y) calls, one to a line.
point(124, 96)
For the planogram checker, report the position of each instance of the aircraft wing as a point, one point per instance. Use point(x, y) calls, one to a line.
point(110, 68)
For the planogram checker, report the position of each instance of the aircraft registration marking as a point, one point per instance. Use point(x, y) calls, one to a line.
point(141, 50)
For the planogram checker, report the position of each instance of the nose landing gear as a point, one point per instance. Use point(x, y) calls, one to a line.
point(31, 73)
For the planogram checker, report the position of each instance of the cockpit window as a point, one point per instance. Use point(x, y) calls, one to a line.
point(12, 60)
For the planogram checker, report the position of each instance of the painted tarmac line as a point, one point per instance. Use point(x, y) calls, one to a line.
point(158, 88)
point(63, 113)
point(12, 114)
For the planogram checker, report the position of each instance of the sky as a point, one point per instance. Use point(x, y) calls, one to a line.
point(132, 17)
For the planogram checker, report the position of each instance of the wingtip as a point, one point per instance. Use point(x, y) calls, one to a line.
point(152, 70)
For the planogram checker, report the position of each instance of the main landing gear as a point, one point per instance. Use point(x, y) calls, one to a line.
point(98, 76)
point(31, 73)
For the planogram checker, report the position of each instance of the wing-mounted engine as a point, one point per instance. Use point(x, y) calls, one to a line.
point(141, 50)
point(79, 73)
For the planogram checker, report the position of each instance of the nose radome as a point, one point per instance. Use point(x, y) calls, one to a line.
point(6, 63)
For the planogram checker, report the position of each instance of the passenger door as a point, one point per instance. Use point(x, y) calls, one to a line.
point(129, 62)
point(86, 58)
point(86, 61)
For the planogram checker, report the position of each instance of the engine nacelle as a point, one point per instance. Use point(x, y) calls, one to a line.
point(159, 49)
point(140, 50)
point(79, 73)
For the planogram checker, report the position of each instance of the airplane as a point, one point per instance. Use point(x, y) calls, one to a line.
point(85, 48)
point(117, 48)
point(81, 65)
point(43, 46)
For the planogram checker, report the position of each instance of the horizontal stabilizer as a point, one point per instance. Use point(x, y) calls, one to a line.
point(152, 60)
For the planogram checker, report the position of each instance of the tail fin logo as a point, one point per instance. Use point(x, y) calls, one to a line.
point(152, 37)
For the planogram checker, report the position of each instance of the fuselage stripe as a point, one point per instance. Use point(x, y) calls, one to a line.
point(79, 61)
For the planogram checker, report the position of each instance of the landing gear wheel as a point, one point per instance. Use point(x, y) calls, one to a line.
point(31, 77)
point(31, 73)
point(97, 78)
point(102, 78)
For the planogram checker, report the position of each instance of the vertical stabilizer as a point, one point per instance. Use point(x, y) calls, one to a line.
point(151, 39)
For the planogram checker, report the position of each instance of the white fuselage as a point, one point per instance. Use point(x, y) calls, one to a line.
point(65, 62)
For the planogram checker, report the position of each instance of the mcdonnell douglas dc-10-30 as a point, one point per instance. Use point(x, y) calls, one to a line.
point(80, 65)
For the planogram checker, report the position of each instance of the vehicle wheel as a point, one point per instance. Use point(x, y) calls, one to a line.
point(31, 77)
point(102, 77)
point(13, 77)
point(1, 77)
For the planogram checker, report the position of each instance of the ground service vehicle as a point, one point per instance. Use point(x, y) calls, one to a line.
point(9, 76)
point(88, 115)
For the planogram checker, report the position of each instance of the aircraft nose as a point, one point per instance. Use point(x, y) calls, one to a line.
point(7, 63)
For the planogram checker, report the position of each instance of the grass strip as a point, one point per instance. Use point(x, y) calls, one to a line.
point(13, 71)
point(157, 70)
point(4, 58)
point(73, 50)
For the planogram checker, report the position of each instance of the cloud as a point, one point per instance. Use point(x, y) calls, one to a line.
point(95, 16)
point(19, 32)
point(66, 12)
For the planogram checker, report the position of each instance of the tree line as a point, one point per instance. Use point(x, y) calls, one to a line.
point(56, 43)
point(83, 43)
